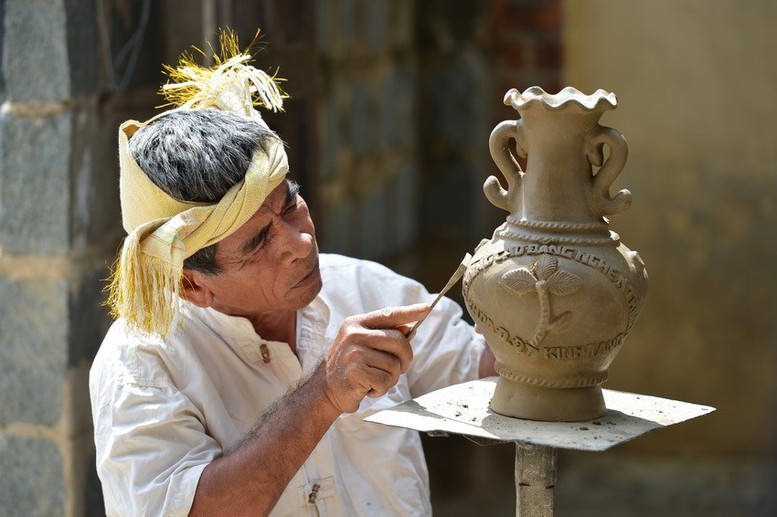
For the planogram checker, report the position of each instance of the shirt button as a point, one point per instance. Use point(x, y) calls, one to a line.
point(265, 353)
point(313, 493)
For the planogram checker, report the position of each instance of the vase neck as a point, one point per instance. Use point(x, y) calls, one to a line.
point(558, 176)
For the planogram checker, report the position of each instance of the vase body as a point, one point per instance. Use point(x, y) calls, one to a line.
point(554, 291)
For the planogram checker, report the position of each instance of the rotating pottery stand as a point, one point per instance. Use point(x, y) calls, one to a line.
point(463, 409)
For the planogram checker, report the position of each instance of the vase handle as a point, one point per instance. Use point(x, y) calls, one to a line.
point(599, 196)
point(498, 144)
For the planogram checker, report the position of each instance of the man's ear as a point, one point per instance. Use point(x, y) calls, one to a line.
point(195, 288)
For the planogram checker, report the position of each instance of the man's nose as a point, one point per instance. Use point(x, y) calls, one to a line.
point(297, 241)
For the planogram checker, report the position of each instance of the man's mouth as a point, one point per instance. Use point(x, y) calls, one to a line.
point(311, 273)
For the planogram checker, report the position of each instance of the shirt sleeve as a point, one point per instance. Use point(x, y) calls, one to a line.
point(151, 449)
point(446, 350)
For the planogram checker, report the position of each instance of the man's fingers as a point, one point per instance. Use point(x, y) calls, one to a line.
point(380, 382)
point(388, 341)
point(392, 317)
point(405, 330)
point(375, 373)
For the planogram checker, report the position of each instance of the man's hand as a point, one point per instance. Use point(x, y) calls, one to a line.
point(369, 354)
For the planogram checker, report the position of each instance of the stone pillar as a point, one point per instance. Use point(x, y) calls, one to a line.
point(455, 120)
point(58, 230)
point(367, 127)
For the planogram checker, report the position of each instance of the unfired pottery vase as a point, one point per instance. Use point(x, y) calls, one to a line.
point(554, 291)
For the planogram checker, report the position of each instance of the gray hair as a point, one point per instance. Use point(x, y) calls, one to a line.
point(197, 156)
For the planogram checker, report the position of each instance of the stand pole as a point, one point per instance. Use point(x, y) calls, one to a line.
point(535, 480)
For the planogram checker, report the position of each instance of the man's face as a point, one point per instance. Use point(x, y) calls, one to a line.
point(270, 263)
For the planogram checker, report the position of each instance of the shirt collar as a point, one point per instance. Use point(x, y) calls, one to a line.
point(236, 328)
point(312, 320)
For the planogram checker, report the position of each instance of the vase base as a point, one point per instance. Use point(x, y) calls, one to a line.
point(531, 402)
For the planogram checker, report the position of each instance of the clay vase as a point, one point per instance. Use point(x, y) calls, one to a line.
point(554, 291)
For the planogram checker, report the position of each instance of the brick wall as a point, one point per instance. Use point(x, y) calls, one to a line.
point(527, 45)
point(53, 244)
point(60, 228)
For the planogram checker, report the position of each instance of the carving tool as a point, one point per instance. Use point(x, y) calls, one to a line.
point(451, 282)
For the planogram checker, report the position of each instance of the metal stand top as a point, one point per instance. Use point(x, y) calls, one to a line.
point(463, 409)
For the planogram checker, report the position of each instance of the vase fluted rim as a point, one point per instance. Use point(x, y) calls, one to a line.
point(600, 100)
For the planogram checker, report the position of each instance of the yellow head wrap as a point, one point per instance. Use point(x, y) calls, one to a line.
point(164, 231)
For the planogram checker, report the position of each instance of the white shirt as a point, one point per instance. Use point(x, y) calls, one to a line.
point(163, 410)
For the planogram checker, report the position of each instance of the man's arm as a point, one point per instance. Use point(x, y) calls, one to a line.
point(487, 360)
point(367, 357)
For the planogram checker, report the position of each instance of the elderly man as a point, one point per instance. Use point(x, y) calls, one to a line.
point(242, 363)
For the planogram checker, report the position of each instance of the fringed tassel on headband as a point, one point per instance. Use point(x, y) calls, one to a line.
point(230, 84)
point(144, 290)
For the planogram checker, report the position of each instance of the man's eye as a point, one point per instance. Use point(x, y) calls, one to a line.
point(259, 242)
point(291, 208)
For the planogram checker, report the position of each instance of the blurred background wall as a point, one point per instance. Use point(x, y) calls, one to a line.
point(392, 104)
